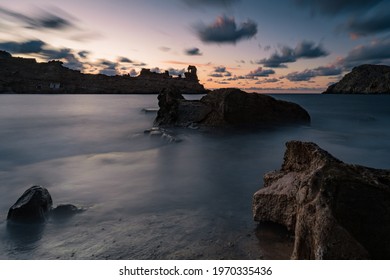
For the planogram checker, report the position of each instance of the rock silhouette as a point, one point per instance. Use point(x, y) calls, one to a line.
point(364, 79)
point(226, 107)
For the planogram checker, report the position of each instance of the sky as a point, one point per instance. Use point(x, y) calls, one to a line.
point(285, 46)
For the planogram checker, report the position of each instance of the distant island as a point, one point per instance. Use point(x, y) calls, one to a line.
point(27, 76)
point(364, 79)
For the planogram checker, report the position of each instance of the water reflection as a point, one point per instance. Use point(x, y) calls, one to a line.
point(24, 237)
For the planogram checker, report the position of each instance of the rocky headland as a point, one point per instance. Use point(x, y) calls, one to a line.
point(226, 108)
point(364, 79)
point(23, 75)
point(336, 210)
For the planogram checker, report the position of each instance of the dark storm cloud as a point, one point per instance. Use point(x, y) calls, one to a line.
point(31, 46)
point(333, 7)
point(193, 51)
point(260, 72)
point(46, 20)
point(364, 26)
point(308, 74)
point(215, 3)
point(378, 51)
point(225, 30)
point(304, 49)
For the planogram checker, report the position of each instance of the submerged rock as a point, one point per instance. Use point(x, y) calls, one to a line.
point(65, 211)
point(366, 79)
point(32, 207)
point(337, 210)
point(226, 107)
point(163, 134)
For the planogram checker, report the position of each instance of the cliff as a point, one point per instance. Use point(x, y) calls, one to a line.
point(22, 75)
point(364, 79)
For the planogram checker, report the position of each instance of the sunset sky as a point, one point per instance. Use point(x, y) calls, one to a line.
point(256, 45)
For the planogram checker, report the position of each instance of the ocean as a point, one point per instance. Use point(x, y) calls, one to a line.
point(148, 197)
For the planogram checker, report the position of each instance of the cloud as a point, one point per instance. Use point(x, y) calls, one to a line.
point(216, 75)
point(220, 72)
point(164, 49)
point(46, 20)
point(176, 72)
point(27, 47)
point(365, 26)
point(125, 60)
point(260, 72)
point(193, 51)
point(334, 7)
point(215, 3)
point(220, 69)
point(304, 49)
point(308, 74)
point(225, 30)
point(378, 51)
point(83, 54)
point(265, 81)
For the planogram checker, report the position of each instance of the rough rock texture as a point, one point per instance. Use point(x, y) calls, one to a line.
point(226, 107)
point(365, 79)
point(32, 207)
point(22, 75)
point(337, 210)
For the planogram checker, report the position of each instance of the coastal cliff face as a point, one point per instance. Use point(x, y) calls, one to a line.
point(364, 79)
point(22, 75)
point(336, 210)
point(227, 107)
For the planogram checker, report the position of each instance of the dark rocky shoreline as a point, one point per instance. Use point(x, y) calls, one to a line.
point(25, 76)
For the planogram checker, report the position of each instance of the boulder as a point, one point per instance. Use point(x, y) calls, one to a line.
point(336, 210)
point(227, 107)
point(32, 207)
point(364, 79)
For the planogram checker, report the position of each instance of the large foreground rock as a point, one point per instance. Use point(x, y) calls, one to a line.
point(226, 107)
point(33, 206)
point(337, 210)
point(365, 79)
point(36, 206)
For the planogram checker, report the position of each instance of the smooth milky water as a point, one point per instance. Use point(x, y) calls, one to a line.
point(149, 198)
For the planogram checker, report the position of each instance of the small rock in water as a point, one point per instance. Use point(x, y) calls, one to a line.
point(163, 133)
point(32, 207)
point(65, 210)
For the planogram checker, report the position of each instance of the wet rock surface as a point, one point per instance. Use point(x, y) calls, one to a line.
point(336, 210)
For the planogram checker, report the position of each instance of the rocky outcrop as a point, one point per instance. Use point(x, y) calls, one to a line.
point(337, 210)
point(36, 206)
point(33, 206)
point(364, 79)
point(22, 75)
point(226, 107)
